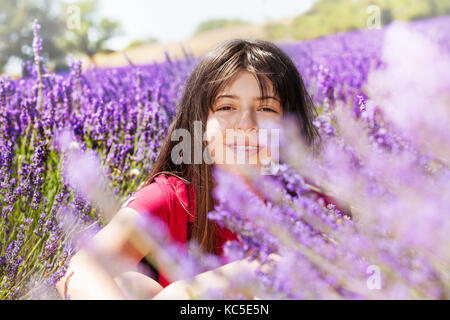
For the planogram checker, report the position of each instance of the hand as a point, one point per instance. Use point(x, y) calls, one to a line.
point(178, 290)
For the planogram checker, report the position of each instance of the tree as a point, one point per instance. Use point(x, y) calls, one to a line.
point(16, 35)
point(140, 42)
point(91, 34)
point(331, 16)
point(217, 24)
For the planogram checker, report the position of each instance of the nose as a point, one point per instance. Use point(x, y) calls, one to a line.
point(247, 121)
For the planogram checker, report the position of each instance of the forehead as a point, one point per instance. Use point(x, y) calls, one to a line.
point(244, 83)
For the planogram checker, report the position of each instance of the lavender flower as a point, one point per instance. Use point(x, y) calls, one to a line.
point(74, 146)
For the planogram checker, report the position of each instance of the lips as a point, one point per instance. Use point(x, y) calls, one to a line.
point(247, 144)
point(246, 149)
point(249, 150)
point(244, 144)
point(243, 147)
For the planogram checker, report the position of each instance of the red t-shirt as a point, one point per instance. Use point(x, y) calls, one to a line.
point(164, 198)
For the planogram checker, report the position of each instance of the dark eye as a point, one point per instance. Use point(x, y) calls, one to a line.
point(267, 109)
point(225, 108)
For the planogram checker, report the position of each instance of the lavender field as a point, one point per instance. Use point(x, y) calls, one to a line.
point(75, 146)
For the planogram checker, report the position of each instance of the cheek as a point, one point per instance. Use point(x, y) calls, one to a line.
point(269, 122)
point(214, 133)
point(213, 128)
point(269, 117)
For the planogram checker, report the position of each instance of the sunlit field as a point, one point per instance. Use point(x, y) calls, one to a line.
point(76, 145)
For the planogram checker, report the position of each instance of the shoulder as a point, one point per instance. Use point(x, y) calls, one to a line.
point(182, 196)
point(159, 197)
point(153, 199)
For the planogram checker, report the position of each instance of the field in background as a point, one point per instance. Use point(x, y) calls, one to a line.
point(198, 45)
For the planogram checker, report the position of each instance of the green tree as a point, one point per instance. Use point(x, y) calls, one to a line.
point(16, 35)
point(276, 31)
point(140, 42)
point(331, 16)
point(90, 34)
point(217, 24)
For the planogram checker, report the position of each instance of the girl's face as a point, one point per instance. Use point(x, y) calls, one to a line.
point(233, 128)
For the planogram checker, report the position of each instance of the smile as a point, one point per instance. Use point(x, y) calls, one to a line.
point(242, 147)
point(248, 151)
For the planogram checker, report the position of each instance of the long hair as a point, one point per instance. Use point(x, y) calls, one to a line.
point(213, 72)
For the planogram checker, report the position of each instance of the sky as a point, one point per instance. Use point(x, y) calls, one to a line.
point(176, 20)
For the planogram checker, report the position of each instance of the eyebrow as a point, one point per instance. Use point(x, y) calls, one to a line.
point(232, 96)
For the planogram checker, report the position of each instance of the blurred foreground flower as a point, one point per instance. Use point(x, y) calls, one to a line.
point(413, 89)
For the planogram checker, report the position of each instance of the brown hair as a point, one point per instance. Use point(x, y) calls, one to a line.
point(214, 71)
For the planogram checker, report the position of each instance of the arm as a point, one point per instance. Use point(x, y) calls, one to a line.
point(215, 279)
point(86, 277)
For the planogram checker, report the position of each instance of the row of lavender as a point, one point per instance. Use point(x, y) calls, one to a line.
point(121, 116)
point(383, 101)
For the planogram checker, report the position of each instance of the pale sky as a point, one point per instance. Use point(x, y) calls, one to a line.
point(176, 20)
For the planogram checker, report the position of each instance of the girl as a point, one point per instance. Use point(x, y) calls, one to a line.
point(234, 90)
